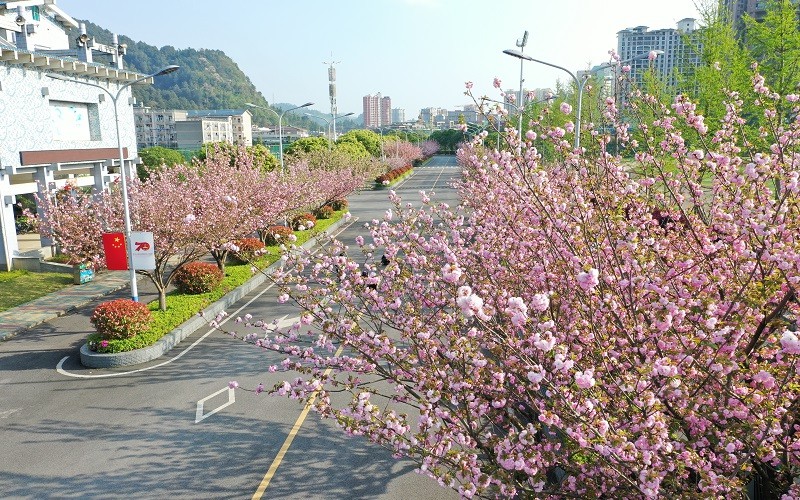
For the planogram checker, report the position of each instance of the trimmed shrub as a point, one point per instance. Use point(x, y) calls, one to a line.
point(323, 212)
point(339, 204)
point(198, 277)
point(121, 319)
point(275, 235)
point(300, 222)
point(249, 249)
point(392, 175)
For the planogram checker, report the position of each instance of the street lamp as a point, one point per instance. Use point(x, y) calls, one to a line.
point(521, 44)
point(280, 124)
point(328, 124)
point(580, 85)
point(125, 209)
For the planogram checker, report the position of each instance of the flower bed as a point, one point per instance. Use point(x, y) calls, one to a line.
point(182, 307)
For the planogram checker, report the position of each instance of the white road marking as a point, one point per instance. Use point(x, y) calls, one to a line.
point(8, 413)
point(199, 416)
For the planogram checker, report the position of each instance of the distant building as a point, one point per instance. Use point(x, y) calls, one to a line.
point(270, 136)
point(677, 54)
point(377, 111)
point(156, 127)
point(159, 127)
point(398, 115)
point(196, 131)
point(737, 9)
point(241, 122)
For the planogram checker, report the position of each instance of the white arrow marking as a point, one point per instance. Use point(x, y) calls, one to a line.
point(198, 416)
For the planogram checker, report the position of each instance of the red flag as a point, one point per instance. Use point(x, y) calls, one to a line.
point(116, 254)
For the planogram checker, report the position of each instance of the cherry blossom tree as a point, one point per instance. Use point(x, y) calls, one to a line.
point(429, 148)
point(589, 329)
point(76, 219)
point(400, 153)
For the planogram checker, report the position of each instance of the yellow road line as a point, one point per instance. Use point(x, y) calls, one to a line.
point(288, 441)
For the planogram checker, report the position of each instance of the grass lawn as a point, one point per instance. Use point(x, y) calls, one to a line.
point(19, 287)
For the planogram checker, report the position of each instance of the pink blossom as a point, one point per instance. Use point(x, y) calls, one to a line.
point(468, 85)
point(565, 108)
point(540, 302)
point(451, 272)
point(589, 280)
point(497, 83)
point(790, 342)
point(651, 56)
point(585, 380)
point(233, 384)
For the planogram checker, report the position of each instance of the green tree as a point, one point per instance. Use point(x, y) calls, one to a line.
point(155, 158)
point(369, 139)
point(775, 44)
point(448, 140)
point(354, 149)
point(306, 145)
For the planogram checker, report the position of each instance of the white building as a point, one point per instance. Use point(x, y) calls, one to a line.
point(52, 131)
point(160, 127)
point(634, 42)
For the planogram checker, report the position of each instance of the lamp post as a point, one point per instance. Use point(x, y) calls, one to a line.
point(580, 85)
point(125, 209)
point(280, 124)
point(328, 124)
point(521, 44)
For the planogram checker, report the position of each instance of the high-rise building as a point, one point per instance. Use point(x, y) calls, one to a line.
point(736, 10)
point(377, 111)
point(398, 115)
point(673, 42)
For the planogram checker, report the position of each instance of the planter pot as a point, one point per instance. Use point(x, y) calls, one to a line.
point(82, 273)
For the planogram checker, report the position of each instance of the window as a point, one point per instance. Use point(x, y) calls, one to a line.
point(71, 121)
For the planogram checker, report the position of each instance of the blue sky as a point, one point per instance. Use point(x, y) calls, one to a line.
point(418, 52)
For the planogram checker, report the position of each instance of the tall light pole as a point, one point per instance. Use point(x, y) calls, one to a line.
point(280, 124)
point(521, 44)
point(580, 85)
point(328, 125)
point(125, 208)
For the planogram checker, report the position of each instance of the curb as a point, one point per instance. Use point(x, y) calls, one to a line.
point(91, 359)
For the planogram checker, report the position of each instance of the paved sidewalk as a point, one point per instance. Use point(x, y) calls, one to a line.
point(30, 314)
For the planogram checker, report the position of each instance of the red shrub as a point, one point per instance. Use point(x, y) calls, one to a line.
point(121, 319)
point(323, 212)
point(249, 249)
point(301, 221)
point(339, 204)
point(275, 235)
point(198, 277)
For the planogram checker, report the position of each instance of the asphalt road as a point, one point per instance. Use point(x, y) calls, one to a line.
point(140, 431)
